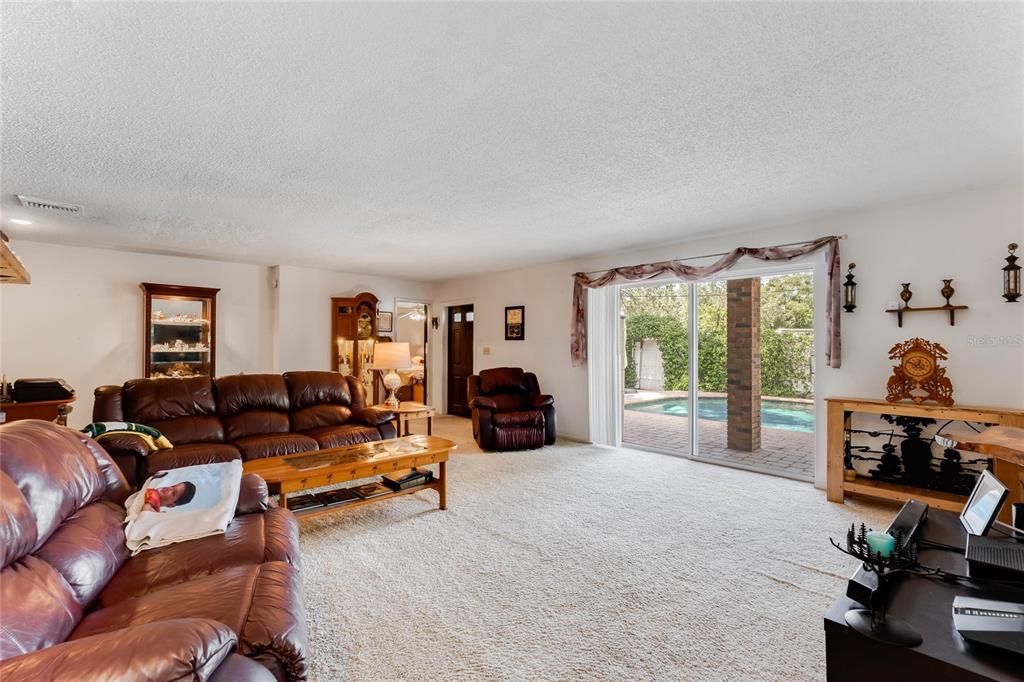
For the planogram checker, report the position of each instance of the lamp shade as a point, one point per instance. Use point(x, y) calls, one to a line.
point(388, 355)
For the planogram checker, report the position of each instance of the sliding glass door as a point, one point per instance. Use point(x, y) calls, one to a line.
point(722, 371)
point(656, 366)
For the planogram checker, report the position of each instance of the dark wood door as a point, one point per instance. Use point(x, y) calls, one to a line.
point(460, 357)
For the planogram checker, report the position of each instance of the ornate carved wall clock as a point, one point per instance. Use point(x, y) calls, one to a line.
point(918, 376)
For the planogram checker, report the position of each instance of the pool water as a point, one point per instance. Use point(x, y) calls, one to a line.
point(776, 414)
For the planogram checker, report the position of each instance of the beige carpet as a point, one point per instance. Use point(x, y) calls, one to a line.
point(578, 562)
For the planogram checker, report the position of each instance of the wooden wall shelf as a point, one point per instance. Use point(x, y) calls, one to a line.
point(12, 270)
point(840, 412)
point(951, 308)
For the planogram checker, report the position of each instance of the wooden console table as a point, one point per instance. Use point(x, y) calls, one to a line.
point(48, 410)
point(839, 417)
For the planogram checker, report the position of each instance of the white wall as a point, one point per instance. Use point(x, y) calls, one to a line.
point(304, 304)
point(962, 235)
point(81, 317)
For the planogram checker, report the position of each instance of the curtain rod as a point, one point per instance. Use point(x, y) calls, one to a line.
point(711, 255)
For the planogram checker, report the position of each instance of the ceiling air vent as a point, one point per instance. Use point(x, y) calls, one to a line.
point(47, 205)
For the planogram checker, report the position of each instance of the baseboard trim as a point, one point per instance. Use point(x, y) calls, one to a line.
point(575, 439)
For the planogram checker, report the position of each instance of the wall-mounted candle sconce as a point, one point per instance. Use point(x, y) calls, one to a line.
point(850, 290)
point(1011, 277)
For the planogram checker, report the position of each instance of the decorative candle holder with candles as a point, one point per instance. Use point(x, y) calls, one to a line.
point(885, 555)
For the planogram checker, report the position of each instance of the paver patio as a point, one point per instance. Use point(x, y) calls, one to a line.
point(783, 452)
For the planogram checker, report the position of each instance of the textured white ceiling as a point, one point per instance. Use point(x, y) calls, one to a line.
point(434, 140)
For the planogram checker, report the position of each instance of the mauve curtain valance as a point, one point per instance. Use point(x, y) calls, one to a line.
point(585, 280)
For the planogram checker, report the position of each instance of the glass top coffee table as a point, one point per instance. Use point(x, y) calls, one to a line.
point(302, 471)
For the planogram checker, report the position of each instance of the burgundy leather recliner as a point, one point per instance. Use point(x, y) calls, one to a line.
point(75, 606)
point(241, 416)
point(509, 411)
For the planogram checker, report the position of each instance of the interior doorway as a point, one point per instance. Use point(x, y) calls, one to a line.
point(723, 371)
point(411, 319)
point(460, 358)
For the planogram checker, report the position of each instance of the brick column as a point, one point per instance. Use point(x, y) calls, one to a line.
point(743, 322)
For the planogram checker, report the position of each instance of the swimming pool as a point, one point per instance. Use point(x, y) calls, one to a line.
point(776, 414)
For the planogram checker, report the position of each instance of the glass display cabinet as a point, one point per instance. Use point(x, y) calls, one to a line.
point(180, 330)
point(353, 334)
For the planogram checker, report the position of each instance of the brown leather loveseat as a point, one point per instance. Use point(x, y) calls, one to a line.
point(509, 411)
point(241, 416)
point(75, 606)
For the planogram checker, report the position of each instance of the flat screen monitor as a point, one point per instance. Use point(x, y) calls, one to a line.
point(983, 504)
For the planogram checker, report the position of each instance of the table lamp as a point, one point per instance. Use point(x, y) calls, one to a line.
point(390, 357)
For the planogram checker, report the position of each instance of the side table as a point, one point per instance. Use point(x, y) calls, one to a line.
point(407, 411)
point(48, 410)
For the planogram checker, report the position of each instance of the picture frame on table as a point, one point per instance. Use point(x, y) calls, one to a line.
point(515, 323)
point(385, 321)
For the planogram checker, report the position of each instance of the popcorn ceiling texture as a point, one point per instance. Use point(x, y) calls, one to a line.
point(305, 133)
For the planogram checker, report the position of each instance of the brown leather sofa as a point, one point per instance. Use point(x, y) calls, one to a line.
point(75, 606)
point(509, 411)
point(245, 416)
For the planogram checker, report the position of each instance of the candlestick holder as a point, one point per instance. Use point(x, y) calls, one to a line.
point(872, 621)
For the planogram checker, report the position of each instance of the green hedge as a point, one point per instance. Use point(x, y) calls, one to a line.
point(660, 314)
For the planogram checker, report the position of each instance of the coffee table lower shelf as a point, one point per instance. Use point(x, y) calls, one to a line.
point(319, 511)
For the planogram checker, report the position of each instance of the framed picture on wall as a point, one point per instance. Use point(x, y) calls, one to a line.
point(515, 323)
point(385, 321)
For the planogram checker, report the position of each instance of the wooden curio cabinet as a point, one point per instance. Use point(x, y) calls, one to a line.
point(353, 333)
point(179, 330)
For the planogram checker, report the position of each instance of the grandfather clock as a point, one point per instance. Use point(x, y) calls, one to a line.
point(353, 332)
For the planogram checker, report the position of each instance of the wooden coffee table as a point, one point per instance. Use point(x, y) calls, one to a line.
point(305, 470)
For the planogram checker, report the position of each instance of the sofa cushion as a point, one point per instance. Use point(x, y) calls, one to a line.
point(317, 388)
point(17, 525)
point(60, 526)
point(88, 549)
point(189, 455)
point(56, 472)
point(274, 445)
point(249, 539)
point(510, 402)
point(534, 418)
point(316, 416)
point(503, 380)
point(184, 410)
point(339, 436)
point(260, 603)
point(151, 400)
point(40, 608)
point(185, 430)
point(252, 404)
point(318, 399)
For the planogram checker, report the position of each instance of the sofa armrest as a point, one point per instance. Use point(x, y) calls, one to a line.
point(373, 416)
point(106, 406)
point(481, 402)
point(543, 400)
point(253, 496)
point(186, 648)
point(124, 444)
